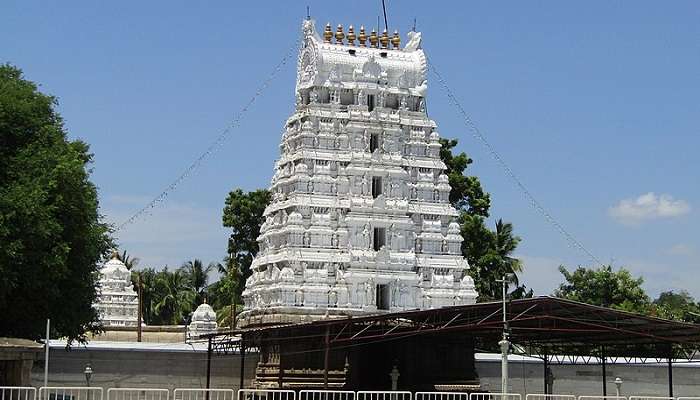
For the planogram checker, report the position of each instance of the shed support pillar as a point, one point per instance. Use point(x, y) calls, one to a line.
point(325, 358)
point(605, 378)
point(545, 375)
point(670, 372)
point(240, 382)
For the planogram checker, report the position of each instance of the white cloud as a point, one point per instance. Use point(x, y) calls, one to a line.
point(648, 206)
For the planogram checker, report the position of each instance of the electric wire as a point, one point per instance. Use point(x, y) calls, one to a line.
point(214, 146)
point(575, 243)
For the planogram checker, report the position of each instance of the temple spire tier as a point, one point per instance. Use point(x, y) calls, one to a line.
point(360, 220)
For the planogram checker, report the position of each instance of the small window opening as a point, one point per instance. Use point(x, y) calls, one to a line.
point(374, 142)
point(379, 238)
point(370, 102)
point(376, 186)
point(382, 54)
point(352, 52)
point(383, 297)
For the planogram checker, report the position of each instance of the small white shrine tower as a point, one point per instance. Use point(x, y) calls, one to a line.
point(117, 302)
point(360, 220)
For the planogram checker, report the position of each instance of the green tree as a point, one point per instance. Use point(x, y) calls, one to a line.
point(129, 262)
point(173, 297)
point(605, 287)
point(466, 194)
point(147, 279)
point(243, 213)
point(224, 295)
point(52, 237)
point(679, 306)
point(488, 252)
point(197, 278)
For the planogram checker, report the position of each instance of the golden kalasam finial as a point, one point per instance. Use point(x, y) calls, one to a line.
point(351, 36)
point(339, 35)
point(327, 33)
point(384, 40)
point(115, 254)
point(396, 40)
point(373, 39)
point(362, 37)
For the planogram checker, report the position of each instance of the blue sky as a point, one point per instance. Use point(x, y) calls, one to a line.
point(593, 104)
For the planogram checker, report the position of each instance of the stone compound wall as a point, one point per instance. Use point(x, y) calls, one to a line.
point(147, 369)
point(638, 379)
point(173, 369)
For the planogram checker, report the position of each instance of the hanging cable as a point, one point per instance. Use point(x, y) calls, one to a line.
point(211, 149)
point(511, 174)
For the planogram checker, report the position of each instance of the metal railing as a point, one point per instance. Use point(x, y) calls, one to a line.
point(326, 395)
point(96, 393)
point(137, 394)
point(494, 396)
point(441, 396)
point(203, 394)
point(537, 396)
point(17, 393)
point(262, 394)
point(650, 398)
point(70, 393)
point(379, 395)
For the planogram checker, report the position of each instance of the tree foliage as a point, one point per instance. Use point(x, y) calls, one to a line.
point(170, 297)
point(129, 262)
point(489, 252)
point(52, 237)
point(679, 306)
point(605, 287)
point(243, 213)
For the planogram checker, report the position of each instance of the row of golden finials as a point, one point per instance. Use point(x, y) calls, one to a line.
point(374, 39)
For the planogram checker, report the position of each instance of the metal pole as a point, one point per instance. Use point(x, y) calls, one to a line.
point(325, 359)
point(546, 366)
point(208, 366)
point(504, 343)
point(240, 384)
point(140, 318)
point(605, 378)
point(670, 373)
point(46, 357)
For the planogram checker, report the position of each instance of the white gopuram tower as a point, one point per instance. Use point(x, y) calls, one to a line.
point(117, 301)
point(360, 220)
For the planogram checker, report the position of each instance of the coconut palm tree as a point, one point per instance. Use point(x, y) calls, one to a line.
point(174, 297)
point(197, 276)
point(128, 260)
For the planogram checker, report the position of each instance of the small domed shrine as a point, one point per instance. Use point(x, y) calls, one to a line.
point(117, 301)
point(203, 322)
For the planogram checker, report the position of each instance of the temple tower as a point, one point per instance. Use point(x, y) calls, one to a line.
point(117, 301)
point(360, 220)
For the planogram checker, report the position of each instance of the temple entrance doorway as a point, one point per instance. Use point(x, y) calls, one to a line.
point(383, 297)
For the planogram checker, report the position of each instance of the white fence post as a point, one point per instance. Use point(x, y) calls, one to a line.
point(537, 396)
point(602, 398)
point(137, 394)
point(17, 393)
point(384, 395)
point(203, 394)
point(494, 396)
point(70, 393)
point(326, 395)
point(263, 394)
point(441, 396)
